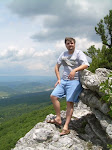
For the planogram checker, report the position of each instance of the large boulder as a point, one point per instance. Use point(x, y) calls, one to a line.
point(92, 81)
point(91, 96)
point(45, 136)
point(91, 126)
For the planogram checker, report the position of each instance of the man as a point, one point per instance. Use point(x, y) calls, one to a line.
point(73, 61)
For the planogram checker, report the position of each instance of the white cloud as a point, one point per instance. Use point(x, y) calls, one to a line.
point(36, 31)
point(84, 44)
point(36, 66)
point(60, 18)
point(15, 54)
point(31, 59)
point(81, 43)
point(60, 45)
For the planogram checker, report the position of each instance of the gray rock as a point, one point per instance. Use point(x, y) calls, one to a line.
point(66, 141)
point(93, 101)
point(109, 130)
point(56, 137)
point(45, 136)
point(102, 73)
point(42, 134)
point(79, 147)
point(81, 110)
point(90, 126)
point(96, 127)
point(103, 119)
point(92, 81)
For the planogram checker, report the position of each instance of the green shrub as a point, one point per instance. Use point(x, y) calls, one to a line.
point(106, 88)
point(11, 131)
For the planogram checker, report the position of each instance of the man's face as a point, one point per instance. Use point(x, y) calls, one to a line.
point(70, 45)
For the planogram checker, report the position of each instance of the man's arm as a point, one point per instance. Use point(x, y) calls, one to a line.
point(72, 73)
point(57, 73)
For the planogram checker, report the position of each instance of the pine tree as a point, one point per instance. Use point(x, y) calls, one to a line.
point(104, 29)
point(102, 58)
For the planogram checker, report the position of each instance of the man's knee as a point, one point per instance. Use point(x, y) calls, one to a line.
point(53, 97)
point(70, 104)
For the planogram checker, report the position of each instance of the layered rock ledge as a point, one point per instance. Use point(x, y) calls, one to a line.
point(90, 126)
point(91, 97)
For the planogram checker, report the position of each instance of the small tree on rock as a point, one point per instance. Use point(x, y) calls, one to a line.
point(104, 29)
point(102, 58)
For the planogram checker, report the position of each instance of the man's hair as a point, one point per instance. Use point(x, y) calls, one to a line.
point(70, 39)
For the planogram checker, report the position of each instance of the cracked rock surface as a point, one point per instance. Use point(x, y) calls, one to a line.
point(90, 126)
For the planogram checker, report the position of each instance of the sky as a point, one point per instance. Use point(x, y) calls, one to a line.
point(33, 32)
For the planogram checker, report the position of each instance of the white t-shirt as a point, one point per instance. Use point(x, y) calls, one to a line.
point(72, 61)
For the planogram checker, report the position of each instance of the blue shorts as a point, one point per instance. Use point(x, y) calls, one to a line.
point(69, 88)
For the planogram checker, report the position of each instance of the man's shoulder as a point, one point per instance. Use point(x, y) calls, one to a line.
point(64, 53)
point(77, 51)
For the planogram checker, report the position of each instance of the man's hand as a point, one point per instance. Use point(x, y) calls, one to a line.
point(71, 75)
point(58, 82)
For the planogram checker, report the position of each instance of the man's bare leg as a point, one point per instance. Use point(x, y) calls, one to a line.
point(56, 105)
point(69, 112)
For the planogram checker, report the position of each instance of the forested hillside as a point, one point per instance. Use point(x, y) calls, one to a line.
point(14, 129)
point(18, 105)
point(8, 89)
point(24, 101)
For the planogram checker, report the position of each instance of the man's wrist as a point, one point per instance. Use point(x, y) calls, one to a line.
point(74, 70)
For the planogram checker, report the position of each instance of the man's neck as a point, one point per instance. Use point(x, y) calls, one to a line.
point(71, 51)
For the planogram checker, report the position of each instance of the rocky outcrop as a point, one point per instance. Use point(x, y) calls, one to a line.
point(90, 126)
point(91, 97)
point(45, 136)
